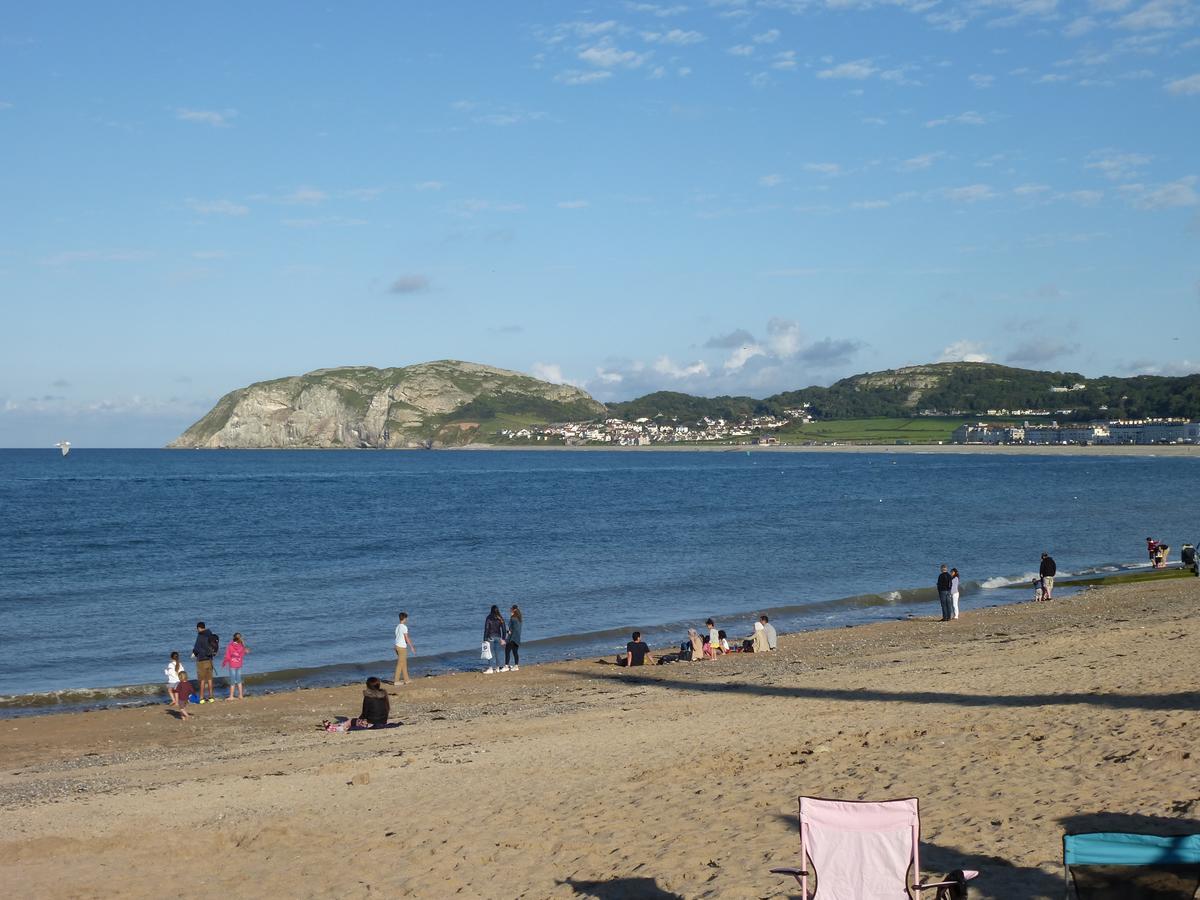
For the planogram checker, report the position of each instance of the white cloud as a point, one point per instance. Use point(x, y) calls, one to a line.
point(857, 70)
point(741, 355)
point(827, 168)
point(656, 9)
point(768, 37)
point(218, 207)
point(574, 76)
point(551, 372)
point(607, 56)
point(1085, 198)
point(870, 204)
point(1181, 192)
point(970, 193)
point(785, 61)
point(664, 366)
point(1031, 190)
point(305, 196)
point(676, 36)
point(970, 117)
point(741, 50)
point(783, 337)
point(1116, 165)
point(429, 185)
point(772, 180)
point(1080, 26)
point(573, 204)
point(1158, 15)
point(964, 351)
point(921, 161)
point(217, 118)
point(982, 81)
point(1184, 86)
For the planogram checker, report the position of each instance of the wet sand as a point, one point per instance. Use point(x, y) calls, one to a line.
point(1011, 725)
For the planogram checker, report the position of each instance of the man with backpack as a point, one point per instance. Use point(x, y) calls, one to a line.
point(206, 647)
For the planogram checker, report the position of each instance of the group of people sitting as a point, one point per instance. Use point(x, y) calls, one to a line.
point(707, 644)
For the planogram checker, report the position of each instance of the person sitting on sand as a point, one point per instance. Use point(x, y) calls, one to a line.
point(710, 649)
point(769, 631)
point(697, 645)
point(723, 640)
point(759, 639)
point(375, 708)
point(637, 652)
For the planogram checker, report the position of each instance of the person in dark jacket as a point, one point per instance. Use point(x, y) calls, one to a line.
point(203, 654)
point(1047, 570)
point(375, 708)
point(943, 589)
point(494, 633)
point(513, 644)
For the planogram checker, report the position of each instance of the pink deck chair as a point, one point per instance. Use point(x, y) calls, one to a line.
point(863, 851)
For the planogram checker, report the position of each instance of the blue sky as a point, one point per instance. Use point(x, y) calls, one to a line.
point(703, 196)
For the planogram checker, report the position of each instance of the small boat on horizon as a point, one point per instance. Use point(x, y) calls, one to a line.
point(64, 446)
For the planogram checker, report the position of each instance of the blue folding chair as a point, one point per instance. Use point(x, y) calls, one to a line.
point(1112, 865)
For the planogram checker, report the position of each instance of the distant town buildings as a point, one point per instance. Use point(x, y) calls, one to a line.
point(644, 431)
point(1121, 431)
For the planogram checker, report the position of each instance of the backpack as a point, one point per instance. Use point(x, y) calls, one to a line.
point(214, 643)
point(685, 650)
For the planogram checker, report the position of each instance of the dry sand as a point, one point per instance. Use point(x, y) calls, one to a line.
point(579, 779)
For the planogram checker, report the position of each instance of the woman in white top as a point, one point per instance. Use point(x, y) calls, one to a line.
point(954, 593)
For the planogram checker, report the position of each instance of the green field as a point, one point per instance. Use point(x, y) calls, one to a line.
point(923, 430)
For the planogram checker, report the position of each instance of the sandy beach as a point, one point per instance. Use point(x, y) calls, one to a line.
point(579, 779)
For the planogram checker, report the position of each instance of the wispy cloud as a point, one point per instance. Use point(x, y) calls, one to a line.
point(964, 351)
point(741, 50)
point(768, 37)
point(305, 196)
point(970, 193)
point(657, 9)
point(676, 36)
point(218, 207)
point(981, 81)
point(1184, 87)
point(70, 257)
point(1116, 165)
point(823, 168)
point(1181, 192)
point(857, 70)
point(606, 55)
point(921, 161)
point(429, 185)
point(573, 204)
point(217, 118)
point(970, 117)
point(575, 77)
point(772, 180)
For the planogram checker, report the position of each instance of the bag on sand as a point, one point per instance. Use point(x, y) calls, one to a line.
point(685, 651)
point(486, 652)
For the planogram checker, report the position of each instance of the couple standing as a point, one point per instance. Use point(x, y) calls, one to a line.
point(947, 588)
point(497, 634)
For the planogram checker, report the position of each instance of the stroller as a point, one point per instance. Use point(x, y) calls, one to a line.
point(1187, 556)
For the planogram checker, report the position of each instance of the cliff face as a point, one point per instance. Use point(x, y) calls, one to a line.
point(435, 404)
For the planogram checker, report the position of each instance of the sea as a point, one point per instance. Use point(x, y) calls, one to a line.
point(109, 557)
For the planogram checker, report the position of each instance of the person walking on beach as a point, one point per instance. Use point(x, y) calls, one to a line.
point(494, 633)
point(404, 645)
point(1046, 571)
point(943, 589)
point(513, 645)
point(203, 652)
point(954, 593)
point(769, 631)
point(235, 653)
point(178, 685)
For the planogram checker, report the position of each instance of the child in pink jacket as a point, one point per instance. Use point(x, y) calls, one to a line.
point(235, 652)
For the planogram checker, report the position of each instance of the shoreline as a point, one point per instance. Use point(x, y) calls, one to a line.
point(897, 604)
point(1010, 725)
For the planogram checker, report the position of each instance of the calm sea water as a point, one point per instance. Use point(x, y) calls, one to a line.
point(108, 557)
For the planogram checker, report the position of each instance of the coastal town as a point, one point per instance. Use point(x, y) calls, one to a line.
point(764, 431)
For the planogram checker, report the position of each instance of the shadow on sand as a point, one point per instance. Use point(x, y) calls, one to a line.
point(621, 889)
point(1181, 700)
